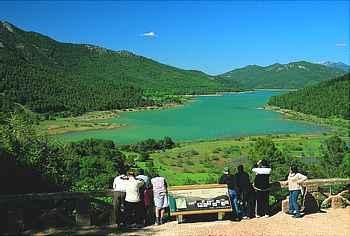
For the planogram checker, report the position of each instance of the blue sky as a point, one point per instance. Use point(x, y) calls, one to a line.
point(211, 36)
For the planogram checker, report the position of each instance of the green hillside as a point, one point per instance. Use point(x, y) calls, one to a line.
point(50, 76)
point(326, 99)
point(292, 75)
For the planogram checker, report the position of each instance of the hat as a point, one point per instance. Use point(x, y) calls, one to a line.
point(226, 170)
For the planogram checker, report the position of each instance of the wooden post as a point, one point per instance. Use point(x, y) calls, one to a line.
point(113, 218)
point(221, 215)
point(82, 217)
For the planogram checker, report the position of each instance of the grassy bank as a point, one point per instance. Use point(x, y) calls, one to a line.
point(89, 121)
point(338, 125)
point(101, 119)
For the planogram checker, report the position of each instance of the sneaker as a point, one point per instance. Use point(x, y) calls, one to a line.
point(157, 222)
point(266, 216)
point(257, 216)
point(297, 216)
point(245, 218)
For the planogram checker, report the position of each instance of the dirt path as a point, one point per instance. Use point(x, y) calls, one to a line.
point(334, 222)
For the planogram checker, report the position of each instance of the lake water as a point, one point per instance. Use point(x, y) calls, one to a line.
point(207, 117)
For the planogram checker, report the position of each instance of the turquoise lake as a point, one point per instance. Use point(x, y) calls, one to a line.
point(207, 117)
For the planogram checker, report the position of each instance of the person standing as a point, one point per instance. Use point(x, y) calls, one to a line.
point(146, 196)
point(160, 197)
point(261, 186)
point(144, 178)
point(244, 193)
point(119, 192)
point(295, 180)
point(133, 204)
point(232, 186)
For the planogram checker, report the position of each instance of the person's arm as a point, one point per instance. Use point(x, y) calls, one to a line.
point(221, 180)
point(301, 178)
point(140, 183)
point(166, 186)
point(114, 183)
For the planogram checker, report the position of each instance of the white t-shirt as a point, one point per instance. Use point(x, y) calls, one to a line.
point(158, 184)
point(262, 170)
point(132, 190)
point(295, 180)
point(119, 183)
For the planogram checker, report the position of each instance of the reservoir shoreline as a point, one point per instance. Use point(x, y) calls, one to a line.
point(208, 118)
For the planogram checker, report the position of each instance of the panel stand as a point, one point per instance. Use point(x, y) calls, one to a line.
point(221, 215)
point(179, 219)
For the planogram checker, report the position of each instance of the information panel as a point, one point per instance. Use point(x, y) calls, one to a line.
point(199, 198)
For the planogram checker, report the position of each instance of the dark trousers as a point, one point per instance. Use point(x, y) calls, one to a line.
point(262, 203)
point(119, 204)
point(134, 212)
point(248, 203)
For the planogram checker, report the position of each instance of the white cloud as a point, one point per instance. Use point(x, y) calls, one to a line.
point(150, 34)
point(340, 44)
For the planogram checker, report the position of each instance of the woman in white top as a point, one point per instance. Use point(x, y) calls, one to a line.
point(295, 179)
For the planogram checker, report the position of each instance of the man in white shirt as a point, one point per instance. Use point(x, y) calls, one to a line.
point(146, 197)
point(119, 198)
point(261, 186)
point(133, 204)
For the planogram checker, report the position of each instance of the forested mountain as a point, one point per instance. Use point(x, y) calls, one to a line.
point(326, 99)
point(50, 76)
point(338, 65)
point(292, 75)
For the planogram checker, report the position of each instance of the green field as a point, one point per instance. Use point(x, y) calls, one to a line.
point(202, 162)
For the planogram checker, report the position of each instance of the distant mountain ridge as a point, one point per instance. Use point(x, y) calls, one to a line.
point(337, 65)
point(292, 75)
point(50, 76)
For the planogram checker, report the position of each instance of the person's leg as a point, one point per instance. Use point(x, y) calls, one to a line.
point(165, 205)
point(139, 209)
point(157, 211)
point(233, 198)
point(162, 211)
point(290, 203)
point(266, 203)
point(235, 202)
point(252, 204)
point(295, 202)
point(245, 206)
point(158, 206)
point(258, 203)
point(251, 207)
point(128, 213)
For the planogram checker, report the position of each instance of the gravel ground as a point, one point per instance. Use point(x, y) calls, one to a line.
point(334, 222)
